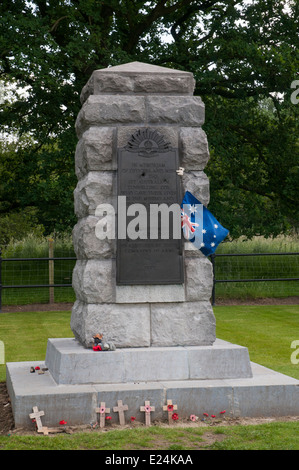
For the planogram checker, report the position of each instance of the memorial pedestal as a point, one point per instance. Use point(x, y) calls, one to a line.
point(70, 363)
point(198, 379)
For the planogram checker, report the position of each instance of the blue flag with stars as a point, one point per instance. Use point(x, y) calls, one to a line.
point(200, 226)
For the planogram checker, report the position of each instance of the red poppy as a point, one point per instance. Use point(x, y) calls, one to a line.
point(132, 418)
point(213, 416)
point(170, 407)
point(37, 368)
point(108, 418)
point(222, 412)
point(175, 416)
point(97, 348)
point(205, 414)
point(62, 422)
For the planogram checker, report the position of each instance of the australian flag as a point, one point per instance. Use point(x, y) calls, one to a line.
point(200, 226)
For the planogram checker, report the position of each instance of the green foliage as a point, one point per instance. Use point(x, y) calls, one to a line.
point(37, 246)
point(254, 166)
point(244, 56)
point(17, 225)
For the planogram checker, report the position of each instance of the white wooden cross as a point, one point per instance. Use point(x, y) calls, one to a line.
point(170, 408)
point(102, 410)
point(147, 408)
point(37, 416)
point(120, 408)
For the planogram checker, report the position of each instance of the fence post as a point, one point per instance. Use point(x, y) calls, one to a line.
point(51, 270)
point(0, 280)
point(214, 281)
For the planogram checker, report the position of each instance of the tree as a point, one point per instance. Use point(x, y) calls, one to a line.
point(243, 54)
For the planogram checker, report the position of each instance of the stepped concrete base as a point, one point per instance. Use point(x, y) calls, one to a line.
point(264, 393)
point(70, 363)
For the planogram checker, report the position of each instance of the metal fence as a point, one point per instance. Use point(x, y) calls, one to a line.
point(40, 277)
point(265, 268)
point(48, 275)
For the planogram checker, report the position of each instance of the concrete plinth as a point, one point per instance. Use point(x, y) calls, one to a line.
point(70, 363)
point(261, 393)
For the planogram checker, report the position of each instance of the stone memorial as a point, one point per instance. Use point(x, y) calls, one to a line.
point(142, 291)
point(133, 136)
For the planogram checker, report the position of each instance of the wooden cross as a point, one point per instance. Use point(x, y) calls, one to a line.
point(170, 408)
point(37, 416)
point(147, 408)
point(120, 408)
point(102, 410)
point(40, 428)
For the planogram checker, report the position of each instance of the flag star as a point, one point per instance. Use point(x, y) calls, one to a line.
point(215, 225)
point(202, 244)
point(204, 230)
point(214, 236)
point(212, 244)
point(192, 209)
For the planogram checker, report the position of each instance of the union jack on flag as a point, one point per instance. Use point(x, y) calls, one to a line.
point(200, 226)
point(187, 226)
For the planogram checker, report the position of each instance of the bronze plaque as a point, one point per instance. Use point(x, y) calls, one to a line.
point(147, 176)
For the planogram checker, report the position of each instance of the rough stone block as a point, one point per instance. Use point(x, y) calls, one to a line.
point(94, 280)
point(95, 151)
point(182, 324)
point(167, 84)
point(198, 184)
point(194, 148)
point(187, 110)
point(199, 278)
point(137, 77)
point(99, 110)
point(126, 325)
point(87, 245)
point(97, 187)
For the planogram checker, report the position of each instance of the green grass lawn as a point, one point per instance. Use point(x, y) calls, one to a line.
point(267, 331)
point(25, 334)
point(270, 436)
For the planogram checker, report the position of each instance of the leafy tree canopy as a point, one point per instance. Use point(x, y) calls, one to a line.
point(243, 54)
